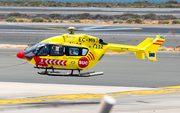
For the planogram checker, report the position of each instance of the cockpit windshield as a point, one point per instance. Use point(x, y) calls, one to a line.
point(33, 50)
point(44, 51)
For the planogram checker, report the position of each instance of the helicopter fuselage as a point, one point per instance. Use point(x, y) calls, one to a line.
point(69, 51)
point(81, 52)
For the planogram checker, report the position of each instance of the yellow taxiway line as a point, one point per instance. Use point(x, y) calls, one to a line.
point(148, 92)
point(89, 96)
point(76, 96)
point(20, 101)
point(171, 87)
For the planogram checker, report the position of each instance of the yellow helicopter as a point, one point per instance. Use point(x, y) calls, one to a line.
point(80, 51)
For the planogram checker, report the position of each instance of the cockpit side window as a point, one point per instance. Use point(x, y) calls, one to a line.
point(57, 50)
point(44, 51)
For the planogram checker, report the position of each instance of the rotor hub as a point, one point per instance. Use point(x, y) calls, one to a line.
point(71, 29)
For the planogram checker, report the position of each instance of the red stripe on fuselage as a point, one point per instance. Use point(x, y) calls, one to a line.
point(159, 41)
point(40, 61)
point(88, 58)
point(44, 62)
point(65, 62)
point(92, 55)
point(156, 43)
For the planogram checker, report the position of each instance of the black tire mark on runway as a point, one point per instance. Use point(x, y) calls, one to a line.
point(13, 65)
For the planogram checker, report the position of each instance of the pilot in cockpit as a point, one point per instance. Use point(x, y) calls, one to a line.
point(44, 51)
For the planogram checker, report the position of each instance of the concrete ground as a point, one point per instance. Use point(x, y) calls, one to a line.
point(139, 86)
point(25, 33)
point(60, 98)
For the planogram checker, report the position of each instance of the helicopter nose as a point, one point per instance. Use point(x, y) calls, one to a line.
point(20, 54)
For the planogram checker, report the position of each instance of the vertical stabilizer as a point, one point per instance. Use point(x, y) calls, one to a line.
point(150, 47)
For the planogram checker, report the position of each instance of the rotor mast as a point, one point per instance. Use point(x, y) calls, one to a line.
point(71, 30)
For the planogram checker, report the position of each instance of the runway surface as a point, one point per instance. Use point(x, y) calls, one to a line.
point(137, 85)
point(119, 70)
point(24, 33)
point(134, 83)
point(91, 10)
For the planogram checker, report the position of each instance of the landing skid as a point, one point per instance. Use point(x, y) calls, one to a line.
point(57, 73)
point(86, 74)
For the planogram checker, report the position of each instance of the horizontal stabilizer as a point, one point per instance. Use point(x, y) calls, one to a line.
point(145, 43)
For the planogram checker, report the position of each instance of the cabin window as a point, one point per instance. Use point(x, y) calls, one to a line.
point(84, 52)
point(57, 50)
point(44, 51)
point(73, 51)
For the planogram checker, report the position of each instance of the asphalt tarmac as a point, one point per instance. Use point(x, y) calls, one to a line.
point(134, 83)
point(119, 70)
point(25, 33)
point(91, 10)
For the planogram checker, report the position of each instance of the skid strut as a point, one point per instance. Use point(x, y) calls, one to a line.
point(57, 73)
point(79, 71)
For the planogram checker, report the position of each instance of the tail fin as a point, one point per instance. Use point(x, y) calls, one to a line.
point(150, 47)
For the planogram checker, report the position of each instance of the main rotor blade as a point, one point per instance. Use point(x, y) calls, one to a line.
point(50, 28)
point(93, 27)
point(113, 29)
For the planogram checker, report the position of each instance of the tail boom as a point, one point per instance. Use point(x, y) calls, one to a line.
point(148, 47)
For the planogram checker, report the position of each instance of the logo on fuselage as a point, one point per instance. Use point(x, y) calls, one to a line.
point(73, 62)
point(83, 62)
point(45, 62)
